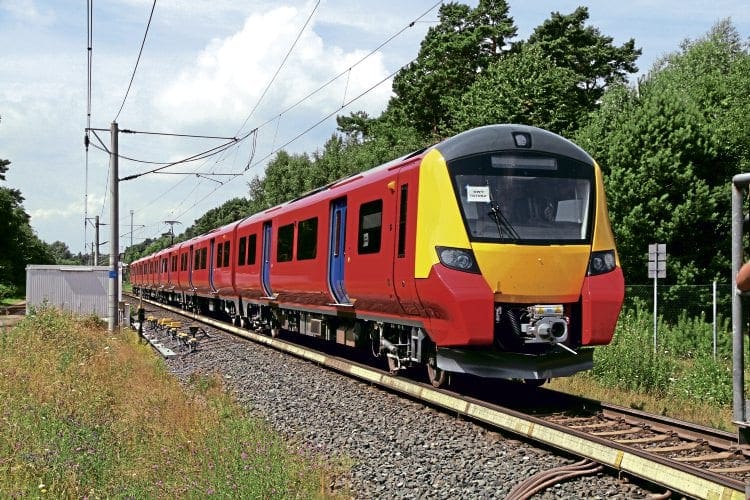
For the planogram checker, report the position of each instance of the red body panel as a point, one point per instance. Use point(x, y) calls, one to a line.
point(183, 273)
point(153, 271)
point(602, 298)
point(297, 281)
point(200, 273)
point(460, 307)
point(223, 239)
point(368, 277)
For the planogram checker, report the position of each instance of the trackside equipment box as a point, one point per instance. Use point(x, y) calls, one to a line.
point(79, 289)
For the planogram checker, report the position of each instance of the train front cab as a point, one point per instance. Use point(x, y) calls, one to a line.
point(518, 270)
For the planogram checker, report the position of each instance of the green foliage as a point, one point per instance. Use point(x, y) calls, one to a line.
point(451, 56)
point(88, 414)
point(630, 362)
point(525, 87)
point(670, 148)
point(591, 56)
point(705, 380)
point(230, 211)
point(7, 291)
point(682, 366)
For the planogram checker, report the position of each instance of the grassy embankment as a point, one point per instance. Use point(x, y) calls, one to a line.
point(88, 414)
point(681, 379)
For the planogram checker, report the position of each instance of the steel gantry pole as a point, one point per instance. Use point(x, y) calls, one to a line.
point(114, 243)
point(739, 185)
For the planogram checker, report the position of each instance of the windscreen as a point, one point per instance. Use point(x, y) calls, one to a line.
point(524, 198)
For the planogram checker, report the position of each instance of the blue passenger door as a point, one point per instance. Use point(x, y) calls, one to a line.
point(337, 240)
point(266, 262)
point(190, 268)
point(211, 264)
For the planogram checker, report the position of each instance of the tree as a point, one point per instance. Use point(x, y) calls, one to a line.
point(451, 56)
point(20, 245)
point(525, 87)
point(669, 148)
point(61, 253)
point(584, 50)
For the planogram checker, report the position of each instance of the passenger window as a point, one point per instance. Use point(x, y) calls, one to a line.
point(241, 253)
point(226, 254)
point(204, 252)
point(307, 239)
point(370, 227)
point(252, 244)
point(219, 255)
point(285, 241)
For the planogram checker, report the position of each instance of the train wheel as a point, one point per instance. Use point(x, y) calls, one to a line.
point(437, 377)
point(275, 330)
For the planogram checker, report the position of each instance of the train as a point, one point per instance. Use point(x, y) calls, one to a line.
point(489, 253)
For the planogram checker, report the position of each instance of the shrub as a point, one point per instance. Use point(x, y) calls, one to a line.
point(630, 362)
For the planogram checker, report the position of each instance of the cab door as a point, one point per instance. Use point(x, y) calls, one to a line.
point(404, 252)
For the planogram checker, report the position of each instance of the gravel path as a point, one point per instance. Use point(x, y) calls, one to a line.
point(399, 448)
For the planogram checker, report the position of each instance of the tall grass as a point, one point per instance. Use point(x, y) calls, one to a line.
point(682, 366)
point(681, 378)
point(87, 414)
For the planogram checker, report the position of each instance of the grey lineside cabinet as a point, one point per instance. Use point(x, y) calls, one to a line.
point(79, 289)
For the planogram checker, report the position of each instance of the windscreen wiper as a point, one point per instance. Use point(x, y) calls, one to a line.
point(503, 225)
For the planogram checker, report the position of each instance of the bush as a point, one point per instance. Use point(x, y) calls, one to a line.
point(705, 380)
point(682, 365)
point(7, 291)
point(630, 362)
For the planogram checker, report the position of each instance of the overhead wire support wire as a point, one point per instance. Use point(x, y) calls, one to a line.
point(199, 156)
point(135, 68)
point(311, 127)
point(172, 134)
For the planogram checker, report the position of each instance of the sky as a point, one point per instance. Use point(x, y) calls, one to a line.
point(223, 68)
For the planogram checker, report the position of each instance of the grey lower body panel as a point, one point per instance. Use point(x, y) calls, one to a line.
point(508, 365)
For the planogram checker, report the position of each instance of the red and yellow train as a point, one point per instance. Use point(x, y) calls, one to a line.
point(490, 253)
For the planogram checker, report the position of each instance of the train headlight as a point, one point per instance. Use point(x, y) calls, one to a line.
point(602, 262)
point(460, 259)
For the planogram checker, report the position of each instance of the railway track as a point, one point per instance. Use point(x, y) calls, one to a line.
point(691, 460)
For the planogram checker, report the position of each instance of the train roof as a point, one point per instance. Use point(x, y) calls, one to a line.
point(505, 137)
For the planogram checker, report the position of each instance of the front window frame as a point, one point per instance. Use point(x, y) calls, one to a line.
point(550, 166)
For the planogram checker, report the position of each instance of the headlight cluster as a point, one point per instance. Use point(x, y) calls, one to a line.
point(602, 262)
point(460, 259)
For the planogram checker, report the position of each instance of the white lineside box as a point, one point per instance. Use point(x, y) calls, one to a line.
point(80, 289)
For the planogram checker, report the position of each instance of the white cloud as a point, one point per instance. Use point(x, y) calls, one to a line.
point(230, 75)
point(27, 10)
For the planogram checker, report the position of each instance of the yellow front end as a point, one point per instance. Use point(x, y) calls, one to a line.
point(523, 274)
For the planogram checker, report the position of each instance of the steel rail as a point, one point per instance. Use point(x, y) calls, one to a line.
point(676, 476)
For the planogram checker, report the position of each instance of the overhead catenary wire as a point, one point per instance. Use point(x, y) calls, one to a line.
point(277, 117)
point(138, 60)
point(311, 127)
point(307, 96)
